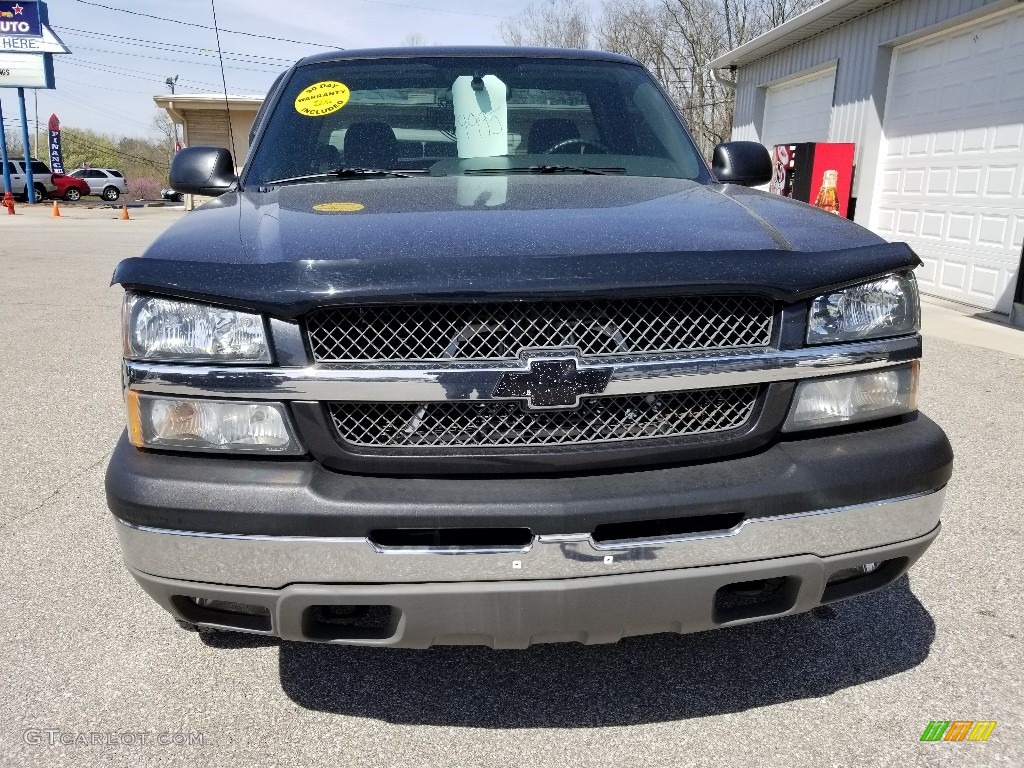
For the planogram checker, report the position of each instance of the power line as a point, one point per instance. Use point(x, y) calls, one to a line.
point(137, 74)
point(148, 91)
point(152, 76)
point(205, 26)
point(200, 53)
point(176, 61)
point(74, 101)
point(90, 33)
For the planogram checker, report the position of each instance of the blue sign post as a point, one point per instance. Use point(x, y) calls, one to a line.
point(30, 186)
point(3, 153)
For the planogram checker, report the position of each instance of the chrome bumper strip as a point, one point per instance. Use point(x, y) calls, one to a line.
point(275, 561)
point(427, 383)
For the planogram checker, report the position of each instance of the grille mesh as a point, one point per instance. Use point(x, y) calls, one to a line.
point(500, 331)
point(491, 423)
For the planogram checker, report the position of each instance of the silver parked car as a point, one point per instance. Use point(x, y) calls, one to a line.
point(42, 180)
point(105, 182)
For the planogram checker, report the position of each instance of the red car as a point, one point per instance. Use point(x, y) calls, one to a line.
point(69, 188)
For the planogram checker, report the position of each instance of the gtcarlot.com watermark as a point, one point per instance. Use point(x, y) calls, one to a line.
point(55, 737)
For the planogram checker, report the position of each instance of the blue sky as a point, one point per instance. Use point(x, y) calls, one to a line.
point(108, 81)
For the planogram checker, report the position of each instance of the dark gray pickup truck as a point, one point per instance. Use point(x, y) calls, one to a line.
point(476, 349)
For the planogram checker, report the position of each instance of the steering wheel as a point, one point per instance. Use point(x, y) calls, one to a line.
point(595, 147)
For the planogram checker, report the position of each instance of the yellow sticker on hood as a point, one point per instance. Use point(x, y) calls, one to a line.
point(322, 98)
point(338, 207)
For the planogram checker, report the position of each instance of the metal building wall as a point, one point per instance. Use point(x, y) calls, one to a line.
point(861, 74)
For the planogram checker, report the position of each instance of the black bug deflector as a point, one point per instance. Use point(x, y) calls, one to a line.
point(555, 236)
point(290, 289)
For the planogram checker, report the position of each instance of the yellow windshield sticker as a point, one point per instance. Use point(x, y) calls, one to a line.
point(338, 207)
point(322, 98)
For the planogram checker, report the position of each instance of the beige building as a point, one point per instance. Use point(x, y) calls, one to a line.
point(203, 121)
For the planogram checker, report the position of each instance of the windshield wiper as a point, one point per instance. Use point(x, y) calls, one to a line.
point(343, 173)
point(547, 169)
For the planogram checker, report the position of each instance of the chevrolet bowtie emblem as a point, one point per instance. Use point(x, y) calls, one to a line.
point(553, 383)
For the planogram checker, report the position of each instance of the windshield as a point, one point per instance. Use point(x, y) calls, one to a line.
point(458, 114)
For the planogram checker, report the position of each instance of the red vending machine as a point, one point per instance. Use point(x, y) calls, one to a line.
point(818, 173)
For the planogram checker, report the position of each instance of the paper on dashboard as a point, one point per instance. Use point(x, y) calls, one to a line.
point(481, 117)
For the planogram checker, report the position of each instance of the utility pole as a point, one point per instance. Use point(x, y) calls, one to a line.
point(35, 137)
point(171, 82)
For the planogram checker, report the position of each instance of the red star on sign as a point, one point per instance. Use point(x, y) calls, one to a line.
point(17, 9)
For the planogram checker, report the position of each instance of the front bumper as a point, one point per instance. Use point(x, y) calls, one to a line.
point(516, 614)
point(288, 538)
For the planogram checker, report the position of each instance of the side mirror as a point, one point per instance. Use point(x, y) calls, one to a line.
point(202, 171)
point(742, 162)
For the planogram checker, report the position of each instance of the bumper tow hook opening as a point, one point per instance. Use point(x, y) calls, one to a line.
point(854, 580)
point(226, 613)
point(349, 622)
point(753, 599)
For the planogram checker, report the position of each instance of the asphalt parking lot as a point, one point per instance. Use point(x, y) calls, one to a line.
point(86, 652)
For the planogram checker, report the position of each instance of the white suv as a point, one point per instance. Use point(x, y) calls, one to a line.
point(42, 180)
point(105, 182)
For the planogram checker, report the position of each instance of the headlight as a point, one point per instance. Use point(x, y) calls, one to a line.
point(849, 399)
point(184, 331)
point(209, 425)
point(885, 307)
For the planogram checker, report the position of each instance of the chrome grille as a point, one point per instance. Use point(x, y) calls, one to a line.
point(500, 331)
point(490, 423)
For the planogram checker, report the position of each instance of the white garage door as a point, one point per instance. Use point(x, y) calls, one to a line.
point(951, 181)
point(799, 110)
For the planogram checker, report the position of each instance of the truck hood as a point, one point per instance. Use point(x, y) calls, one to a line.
point(469, 236)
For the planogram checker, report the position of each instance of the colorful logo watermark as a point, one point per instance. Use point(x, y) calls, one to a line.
point(958, 730)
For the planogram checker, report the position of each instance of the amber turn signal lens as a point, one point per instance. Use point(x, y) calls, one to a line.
point(870, 395)
point(186, 424)
point(134, 419)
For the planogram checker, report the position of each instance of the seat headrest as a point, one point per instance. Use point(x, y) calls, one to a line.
point(327, 158)
point(371, 144)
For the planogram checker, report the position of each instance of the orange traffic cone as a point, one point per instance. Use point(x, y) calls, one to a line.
point(9, 203)
point(56, 210)
point(124, 213)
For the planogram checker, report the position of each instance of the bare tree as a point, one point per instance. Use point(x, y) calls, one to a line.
point(554, 23)
point(674, 39)
point(639, 29)
point(776, 12)
point(698, 32)
point(414, 39)
point(163, 127)
point(677, 39)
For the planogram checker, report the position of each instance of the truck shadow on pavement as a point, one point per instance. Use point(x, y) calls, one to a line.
point(639, 680)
